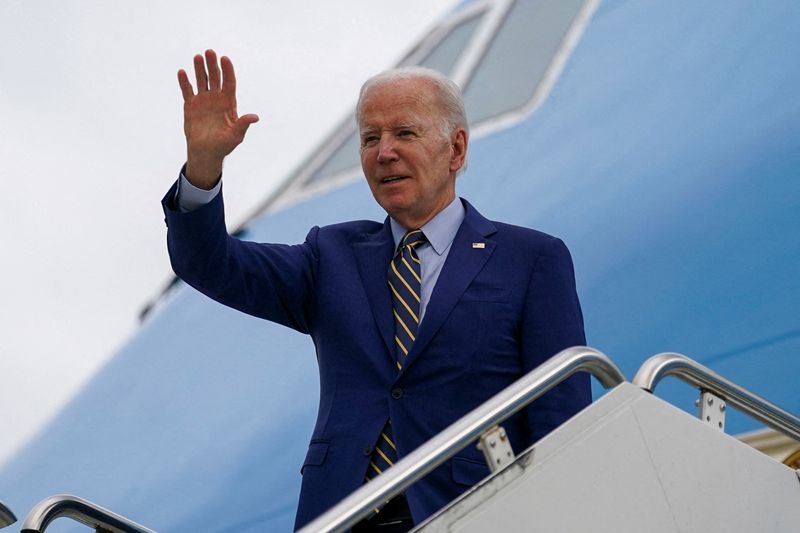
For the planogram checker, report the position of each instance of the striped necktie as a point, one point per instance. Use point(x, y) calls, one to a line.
point(405, 281)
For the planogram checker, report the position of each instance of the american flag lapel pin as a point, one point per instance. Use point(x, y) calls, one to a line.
point(479, 245)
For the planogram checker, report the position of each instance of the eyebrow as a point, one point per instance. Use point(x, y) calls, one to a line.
point(369, 130)
point(401, 126)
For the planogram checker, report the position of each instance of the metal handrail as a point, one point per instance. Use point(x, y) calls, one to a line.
point(465, 430)
point(87, 513)
point(674, 364)
point(6, 516)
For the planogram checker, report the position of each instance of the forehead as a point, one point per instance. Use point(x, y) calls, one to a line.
point(398, 101)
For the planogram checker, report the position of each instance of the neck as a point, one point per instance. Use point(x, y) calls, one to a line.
point(411, 222)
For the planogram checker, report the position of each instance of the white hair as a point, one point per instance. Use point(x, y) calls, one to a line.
point(450, 101)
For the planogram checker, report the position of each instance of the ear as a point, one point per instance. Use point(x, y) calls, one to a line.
point(458, 149)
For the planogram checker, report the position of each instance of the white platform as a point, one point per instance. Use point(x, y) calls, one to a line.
point(632, 463)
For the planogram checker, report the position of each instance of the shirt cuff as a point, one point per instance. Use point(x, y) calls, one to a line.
point(188, 197)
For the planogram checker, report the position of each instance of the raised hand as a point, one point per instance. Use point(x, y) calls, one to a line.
point(211, 123)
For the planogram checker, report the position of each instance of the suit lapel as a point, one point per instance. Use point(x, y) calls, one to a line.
point(462, 265)
point(373, 255)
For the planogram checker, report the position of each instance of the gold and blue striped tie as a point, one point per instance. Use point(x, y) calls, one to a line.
point(405, 282)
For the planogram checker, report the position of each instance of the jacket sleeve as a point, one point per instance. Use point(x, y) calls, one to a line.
point(552, 321)
point(270, 281)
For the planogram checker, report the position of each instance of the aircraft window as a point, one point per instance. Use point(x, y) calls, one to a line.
point(442, 57)
point(518, 57)
point(344, 158)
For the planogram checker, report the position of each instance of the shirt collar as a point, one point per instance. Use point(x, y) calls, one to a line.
point(440, 230)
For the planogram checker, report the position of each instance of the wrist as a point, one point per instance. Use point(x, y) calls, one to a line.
point(202, 173)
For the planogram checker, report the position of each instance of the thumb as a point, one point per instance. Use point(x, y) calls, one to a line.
point(244, 122)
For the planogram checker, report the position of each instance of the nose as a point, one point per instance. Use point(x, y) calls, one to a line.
point(386, 149)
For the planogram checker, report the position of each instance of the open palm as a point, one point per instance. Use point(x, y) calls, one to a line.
point(211, 122)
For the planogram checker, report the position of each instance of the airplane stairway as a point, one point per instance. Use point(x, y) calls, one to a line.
point(630, 462)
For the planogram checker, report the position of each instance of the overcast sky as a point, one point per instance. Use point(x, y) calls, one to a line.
point(91, 137)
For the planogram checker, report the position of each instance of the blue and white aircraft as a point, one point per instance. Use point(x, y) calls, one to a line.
point(659, 140)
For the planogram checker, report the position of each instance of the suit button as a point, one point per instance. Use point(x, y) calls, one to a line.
point(397, 393)
point(368, 451)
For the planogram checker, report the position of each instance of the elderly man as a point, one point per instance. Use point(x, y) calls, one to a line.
point(415, 321)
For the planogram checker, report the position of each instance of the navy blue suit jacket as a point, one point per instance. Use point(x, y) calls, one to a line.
point(495, 313)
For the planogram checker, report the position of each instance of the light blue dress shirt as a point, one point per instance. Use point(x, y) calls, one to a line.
point(188, 197)
point(440, 232)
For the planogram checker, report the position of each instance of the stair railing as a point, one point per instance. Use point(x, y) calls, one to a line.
point(467, 429)
point(87, 513)
point(6, 516)
point(662, 365)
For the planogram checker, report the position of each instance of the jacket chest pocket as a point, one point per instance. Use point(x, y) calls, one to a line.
point(486, 321)
point(486, 294)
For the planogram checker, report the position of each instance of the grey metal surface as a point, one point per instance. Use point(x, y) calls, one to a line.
point(85, 512)
point(496, 448)
point(629, 463)
point(674, 364)
point(440, 448)
point(6, 516)
point(712, 410)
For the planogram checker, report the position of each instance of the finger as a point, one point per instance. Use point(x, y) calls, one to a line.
point(244, 122)
point(185, 84)
point(200, 74)
point(228, 76)
point(250, 118)
point(213, 70)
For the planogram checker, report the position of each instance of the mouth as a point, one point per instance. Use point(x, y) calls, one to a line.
point(393, 179)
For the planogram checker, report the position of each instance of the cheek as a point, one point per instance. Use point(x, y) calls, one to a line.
point(368, 157)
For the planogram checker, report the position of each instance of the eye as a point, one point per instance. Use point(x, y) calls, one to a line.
point(405, 133)
point(369, 140)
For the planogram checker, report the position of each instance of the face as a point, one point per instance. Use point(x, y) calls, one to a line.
point(409, 165)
